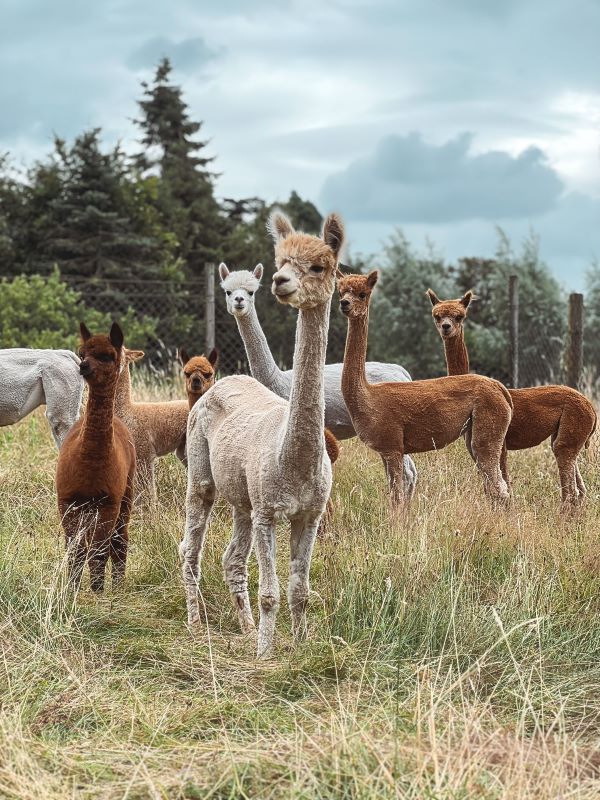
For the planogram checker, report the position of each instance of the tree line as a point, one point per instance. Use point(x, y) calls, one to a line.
point(82, 228)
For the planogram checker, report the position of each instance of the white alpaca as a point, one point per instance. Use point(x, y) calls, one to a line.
point(240, 288)
point(31, 378)
point(266, 455)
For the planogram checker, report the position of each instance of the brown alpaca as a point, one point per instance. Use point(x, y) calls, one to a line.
point(96, 468)
point(539, 412)
point(198, 373)
point(395, 419)
point(156, 428)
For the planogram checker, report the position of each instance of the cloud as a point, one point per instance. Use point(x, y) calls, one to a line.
point(186, 55)
point(408, 180)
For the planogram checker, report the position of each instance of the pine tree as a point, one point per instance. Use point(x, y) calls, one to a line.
point(185, 197)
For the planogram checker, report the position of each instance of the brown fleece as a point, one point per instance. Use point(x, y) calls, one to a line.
point(539, 412)
point(156, 428)
point(419, 416)
point(96, 468)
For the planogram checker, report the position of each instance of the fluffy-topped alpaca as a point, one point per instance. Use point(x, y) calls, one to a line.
point(240, 288)
point(418, 416)
point(95, 470)
point(540, 412)
point(264, 454)
point(30, 378)
point(156, 428)
point(198, 373)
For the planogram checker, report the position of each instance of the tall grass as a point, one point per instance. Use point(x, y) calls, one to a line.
point(454, 654)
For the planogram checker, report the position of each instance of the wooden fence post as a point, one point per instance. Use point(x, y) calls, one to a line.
point(513, 330)
point(574, 352)
point(209, 268)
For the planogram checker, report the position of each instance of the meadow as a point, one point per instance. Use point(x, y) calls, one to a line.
point(453, 654)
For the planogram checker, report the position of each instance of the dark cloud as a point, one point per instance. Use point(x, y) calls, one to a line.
point(408, 180)
point(186, 55)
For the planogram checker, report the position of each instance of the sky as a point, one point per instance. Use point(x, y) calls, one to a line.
point(446, 118)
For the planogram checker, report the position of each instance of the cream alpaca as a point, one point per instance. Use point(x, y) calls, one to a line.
point(266, 455)
point(156, 428)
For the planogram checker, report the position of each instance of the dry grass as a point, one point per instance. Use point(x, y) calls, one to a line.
point(454, 655)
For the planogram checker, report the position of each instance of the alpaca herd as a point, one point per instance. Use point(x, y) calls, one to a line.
point(266, 444)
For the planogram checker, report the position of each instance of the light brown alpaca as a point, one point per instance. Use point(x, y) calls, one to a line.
point(415, 417)
point(198, 373)
point(156, 428)
point(539, 412)
point(96, 467)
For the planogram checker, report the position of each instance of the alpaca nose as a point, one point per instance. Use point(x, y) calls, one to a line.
point(279, 279)
point(84, 368)
point(239, 300)
point(446, 327)
point(344, 303)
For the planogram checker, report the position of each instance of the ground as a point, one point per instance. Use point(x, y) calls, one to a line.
point(455, 654)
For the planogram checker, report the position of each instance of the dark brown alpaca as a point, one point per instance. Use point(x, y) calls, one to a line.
point(540, 412)
point(395, 419)
point(96, 468)
point(198, 372)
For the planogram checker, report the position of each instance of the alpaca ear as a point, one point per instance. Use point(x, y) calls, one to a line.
point(213, 356)
point(372, 278)
point(333, 232)
point(182, 354)
point(279, 226)
point(466, 298)
point(223, 271)
point(339, 274)
point(258, 271)
point(135, 355)
point(116, 336)
point(433, 297)
point(84, 332)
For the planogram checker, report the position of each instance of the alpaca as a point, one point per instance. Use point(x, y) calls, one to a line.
point(31, 378)
point(539, 412)
point(264, 454)
point(96, 468)
point(156, 428)
point(240, 288)
point(198, 373)
point(416, 417)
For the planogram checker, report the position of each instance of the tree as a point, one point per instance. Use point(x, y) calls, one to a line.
point(185, 197)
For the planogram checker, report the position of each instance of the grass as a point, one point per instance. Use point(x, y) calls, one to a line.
point(455, 654)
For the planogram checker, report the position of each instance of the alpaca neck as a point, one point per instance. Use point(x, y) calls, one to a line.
point(123, 396)
point(355, 387)
point(261, 361)
point(303, 442)
point(457, 358)
point(192, 398)
point(97, 429)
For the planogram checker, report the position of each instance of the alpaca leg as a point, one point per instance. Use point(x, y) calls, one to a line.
point(99, 549)
point(566, 460)
point(394, 470)
point(74, 527)
point(145, 484)
point(268, 592)
point(120, 539)
point(235, 567)
point(199, 502)
point(504, 465)
point(301, 546)
point(580, 483)
point(487, 454)
point(181, 453)
point(409, 478)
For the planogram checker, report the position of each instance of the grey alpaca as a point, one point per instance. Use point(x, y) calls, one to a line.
point(266, 455)
point(31, 378)
point(240, 288)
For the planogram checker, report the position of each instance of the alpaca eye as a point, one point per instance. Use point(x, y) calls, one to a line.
point(459, 319)
point(437, 317)
point(362, 295)
point(316, 268)
point(227, 293)
point(207, 375)
point(250, 293)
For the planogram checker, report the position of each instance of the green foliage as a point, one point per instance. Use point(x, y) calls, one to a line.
point(37, 311)
point(592, 320)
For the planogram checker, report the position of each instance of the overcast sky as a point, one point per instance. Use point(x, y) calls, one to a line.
point(445, 117)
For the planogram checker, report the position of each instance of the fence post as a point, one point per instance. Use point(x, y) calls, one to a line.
point(209, 268)
point(574, 354)
point(513, 330)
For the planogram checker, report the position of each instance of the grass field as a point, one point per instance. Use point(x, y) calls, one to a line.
point(454, 655)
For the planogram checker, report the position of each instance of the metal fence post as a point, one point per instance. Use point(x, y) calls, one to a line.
point(574, 352)
point(513, 330)
point(210, 306)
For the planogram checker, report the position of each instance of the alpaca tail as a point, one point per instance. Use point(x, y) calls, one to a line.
point(592, 432)
point(332, 446)
point(507, 396)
